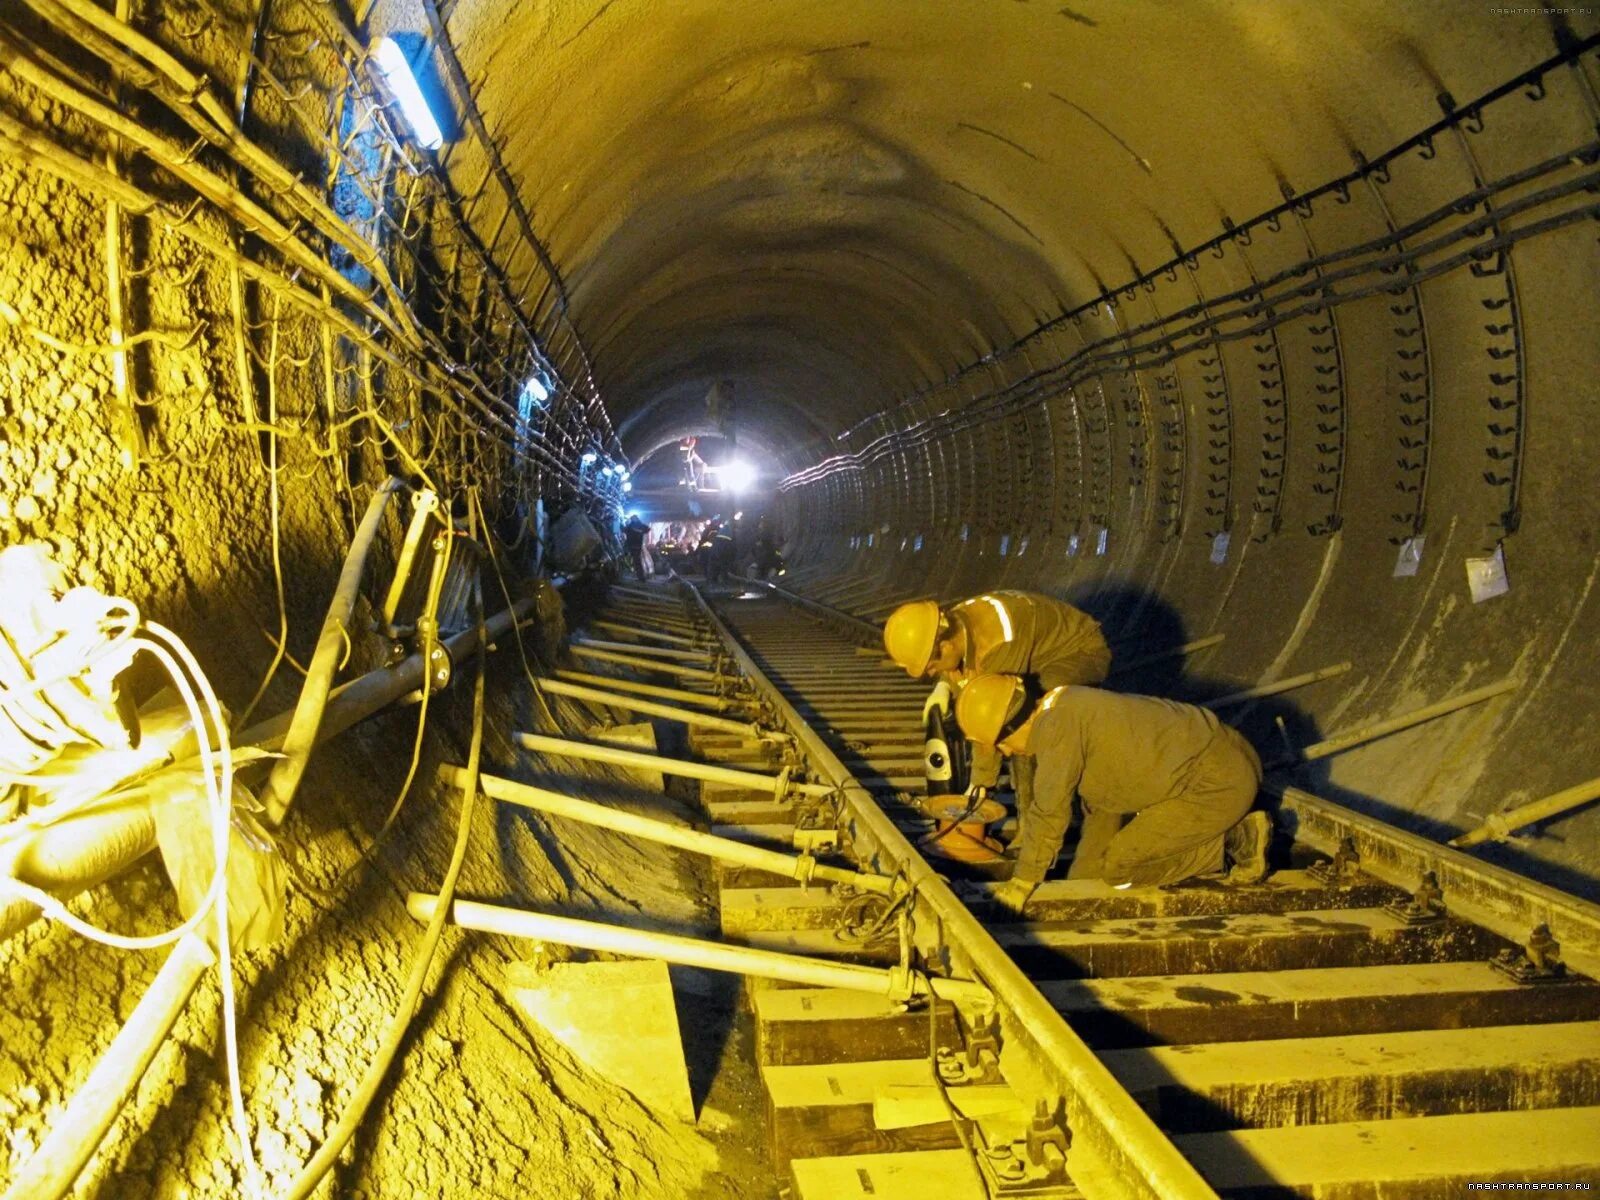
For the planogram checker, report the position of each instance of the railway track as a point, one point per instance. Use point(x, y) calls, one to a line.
point(1381, 1017)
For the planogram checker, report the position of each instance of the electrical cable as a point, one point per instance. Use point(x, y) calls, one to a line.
point(355, 1112)
point(276, 506)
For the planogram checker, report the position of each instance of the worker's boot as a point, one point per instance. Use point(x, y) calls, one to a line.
point(1245, 846)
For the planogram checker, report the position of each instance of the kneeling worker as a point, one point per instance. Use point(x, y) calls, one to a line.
point(1186, 780)
point(1046, 641)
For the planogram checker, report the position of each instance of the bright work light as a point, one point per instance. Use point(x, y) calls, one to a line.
point(403, 86)
point(736, 475)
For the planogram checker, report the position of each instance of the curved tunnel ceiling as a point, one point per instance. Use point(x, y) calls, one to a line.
point(829, 204)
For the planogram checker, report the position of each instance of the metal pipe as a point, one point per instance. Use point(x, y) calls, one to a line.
point(744, 729)
point(301, 736)
point(706, 772)
point(705, 700)
point(362, 697)
point(643, 664)
point(801, 867)
point(77, 1133)
point(696, 952)
point(623, 589)
point(1502, 823)
point(671, 639)
point(1174, 652)
point(1369, 733)
point(1272, 689)
point(648, 651)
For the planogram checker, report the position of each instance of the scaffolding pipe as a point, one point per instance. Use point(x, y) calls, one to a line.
point(78, 1131)
point(1273, 689)
point(671, 639)
point(744, 729)
point(1369, 733)
point(1503, 823)
point(623, 589)
point(719, 703)
point(705, 772)
point(696, 952)
point(1184, 650)
point(301, 736)
point(801, 867)
point(649, 651)
point(644, 664)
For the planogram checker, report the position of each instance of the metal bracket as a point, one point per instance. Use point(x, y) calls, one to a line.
point(1342, 869)
point(1034, 1164)
point(979, 1060)
point(1539, 961)
point(1426, 906)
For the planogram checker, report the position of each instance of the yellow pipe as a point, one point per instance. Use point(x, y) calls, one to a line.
point(707, 772)
point(1501, 824)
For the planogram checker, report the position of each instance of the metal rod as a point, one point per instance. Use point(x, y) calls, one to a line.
point(79, 1129)
point(801, 867)
point(650, 597)
point(706, 772)
point(744, 729)
point(1174, 652)
point(1501, 824)
point(1369, 733)
point(704, 699)
point(639, 631)
point(696, 952)
point(648, 651)
point(1282, 685)
point(301, 736)
point(644, 664)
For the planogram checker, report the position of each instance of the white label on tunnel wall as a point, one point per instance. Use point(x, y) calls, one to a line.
point(1100, 541)
point(1410, 557)
point(1487, 576)
point(917, 545)
point(964, 532)
point(1005, 544)
point(1072, 546)
point(1219, 547)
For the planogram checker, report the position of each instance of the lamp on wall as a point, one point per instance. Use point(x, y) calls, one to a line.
point(401, 81)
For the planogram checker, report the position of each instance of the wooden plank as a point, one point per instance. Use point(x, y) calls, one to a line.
point(1420, 1159)
point(1097, 900)
point(1260, 941)
point(796, 1026)
point(745, 808)
point(930, 1175)
point(1364, 1077)
point(1319, 1002)
point(828, 1109)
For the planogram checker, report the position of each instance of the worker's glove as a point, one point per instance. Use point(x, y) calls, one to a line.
point(1013, 894)
point(940, 700)
point(975, 795)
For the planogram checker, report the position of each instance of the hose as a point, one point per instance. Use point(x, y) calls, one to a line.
point(355, 1112)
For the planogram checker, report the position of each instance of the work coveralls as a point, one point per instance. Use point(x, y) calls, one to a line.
point(1046, 641)
point(1183, 777)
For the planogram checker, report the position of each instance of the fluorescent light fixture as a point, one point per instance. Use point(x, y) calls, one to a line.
point(632, 513)
point(626, 486)
point(589, 458)
point(608, 470)
point(623, 471)
point(397, 73)
point(536, 388)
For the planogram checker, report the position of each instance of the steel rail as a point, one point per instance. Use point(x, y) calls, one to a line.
point(1135, 1157)
point(859, 627)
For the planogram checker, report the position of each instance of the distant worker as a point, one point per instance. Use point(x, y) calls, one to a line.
point(724, 552)
point(634, 534)
point(1186, 780)
point(1046, 641)
point(768, 559)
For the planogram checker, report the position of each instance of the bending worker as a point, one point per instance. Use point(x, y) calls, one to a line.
point(1182, 781)
point(1047, 642)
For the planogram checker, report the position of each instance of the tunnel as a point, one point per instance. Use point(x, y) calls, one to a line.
point(343, 339)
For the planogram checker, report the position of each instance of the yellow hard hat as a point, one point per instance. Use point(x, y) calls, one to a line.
point(910, 634)
point(987, 704)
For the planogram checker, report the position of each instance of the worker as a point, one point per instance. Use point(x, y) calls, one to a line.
point(1186, 780)
point(702, 549)
point(768, 558)
point(633, 536)
point(1048, 642)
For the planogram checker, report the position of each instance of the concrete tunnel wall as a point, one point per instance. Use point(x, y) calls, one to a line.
point(981, 276)
point(856, 213)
